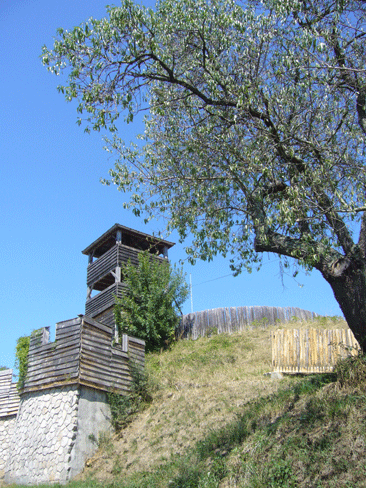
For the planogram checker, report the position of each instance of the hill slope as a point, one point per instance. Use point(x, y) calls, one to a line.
point(217, 421)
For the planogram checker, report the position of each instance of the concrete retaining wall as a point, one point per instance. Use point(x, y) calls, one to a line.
point(94, 417)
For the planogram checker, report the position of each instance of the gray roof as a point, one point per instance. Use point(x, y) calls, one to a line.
point(130, 237)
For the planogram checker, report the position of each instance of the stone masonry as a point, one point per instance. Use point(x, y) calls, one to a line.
point(45, 434)
point(7, 425)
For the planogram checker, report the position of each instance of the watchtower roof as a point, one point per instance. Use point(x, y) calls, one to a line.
point(130, 237)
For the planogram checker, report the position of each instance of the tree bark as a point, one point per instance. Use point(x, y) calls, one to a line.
point(349, 287)
point(345, 274)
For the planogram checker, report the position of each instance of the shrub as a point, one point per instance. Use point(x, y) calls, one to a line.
point(123, 407)
point(150, 309)
point(21, 360)
point(351, 371)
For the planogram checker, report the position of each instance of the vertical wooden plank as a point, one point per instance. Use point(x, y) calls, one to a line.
point(125, 343)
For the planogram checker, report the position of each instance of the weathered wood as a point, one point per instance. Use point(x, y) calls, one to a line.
point(96, 336)
point(83, 351)
point(5, 379)
point(46, 383)
point(9, 396)
point(234, 319)
point(68, 323)
point(107, 317)
point(55, 361)
point(93, 359)
point(136, 340)
point(52, 371)
point(136, 352)
point(102, 348)
point(102, 266)
point(310, 350)
point(40, 361)
point(48, 386)
point(40, 347)
point(104, 299)
point(91, 384)
point(100, 379)
point(73, 329)
point(119, 353)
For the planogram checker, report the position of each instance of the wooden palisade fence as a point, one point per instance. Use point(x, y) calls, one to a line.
point(234, 319)
point(310, 350)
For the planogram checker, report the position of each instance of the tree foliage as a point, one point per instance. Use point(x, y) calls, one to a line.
point(150, 309)
point(255, 129)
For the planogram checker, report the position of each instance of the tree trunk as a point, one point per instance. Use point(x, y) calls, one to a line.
point(349, 288)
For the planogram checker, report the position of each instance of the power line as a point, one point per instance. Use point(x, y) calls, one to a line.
point(214, 279)
point(225, 276)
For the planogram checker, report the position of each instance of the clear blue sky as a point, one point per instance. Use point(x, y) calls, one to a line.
point(53, 206)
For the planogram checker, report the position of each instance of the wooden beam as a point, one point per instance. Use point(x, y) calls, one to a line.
point(125, 343)
point(89, 292)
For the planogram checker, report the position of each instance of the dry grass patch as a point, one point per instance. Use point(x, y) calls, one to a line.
point(201, 386)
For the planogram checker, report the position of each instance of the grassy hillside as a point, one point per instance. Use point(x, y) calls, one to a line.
point(215, 420)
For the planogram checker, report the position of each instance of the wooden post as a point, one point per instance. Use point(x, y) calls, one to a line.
point(89, 292)
point(45, 335)
point(125, 343)
point(118, 274)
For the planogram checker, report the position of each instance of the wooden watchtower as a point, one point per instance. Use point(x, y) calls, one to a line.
point(106, 255)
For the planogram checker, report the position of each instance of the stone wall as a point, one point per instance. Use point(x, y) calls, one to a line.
point(63, 405)
point(45, 434)
point(7, 425)
point(54, 434)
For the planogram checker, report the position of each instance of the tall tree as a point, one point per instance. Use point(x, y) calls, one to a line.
point(255, 129)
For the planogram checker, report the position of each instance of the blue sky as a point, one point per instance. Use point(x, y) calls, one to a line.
point(53, 205)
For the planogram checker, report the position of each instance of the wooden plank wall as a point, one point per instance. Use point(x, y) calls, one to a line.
point(9, 396)
point(102, 365)
point(54, 362)
point(310, 350)
point(198, 324)
point(102, 266)
point(116, 256)
point(136, 349)
point(83, 353)
point(103, 300)
point(106, 317)
point(6, 377)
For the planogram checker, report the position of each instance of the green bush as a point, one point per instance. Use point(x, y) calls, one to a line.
point(123, 407)
point(351, 371)
point(150, 310)
point(21, 360)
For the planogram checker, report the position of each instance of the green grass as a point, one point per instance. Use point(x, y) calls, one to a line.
point(308, 432)
point(296, 437)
